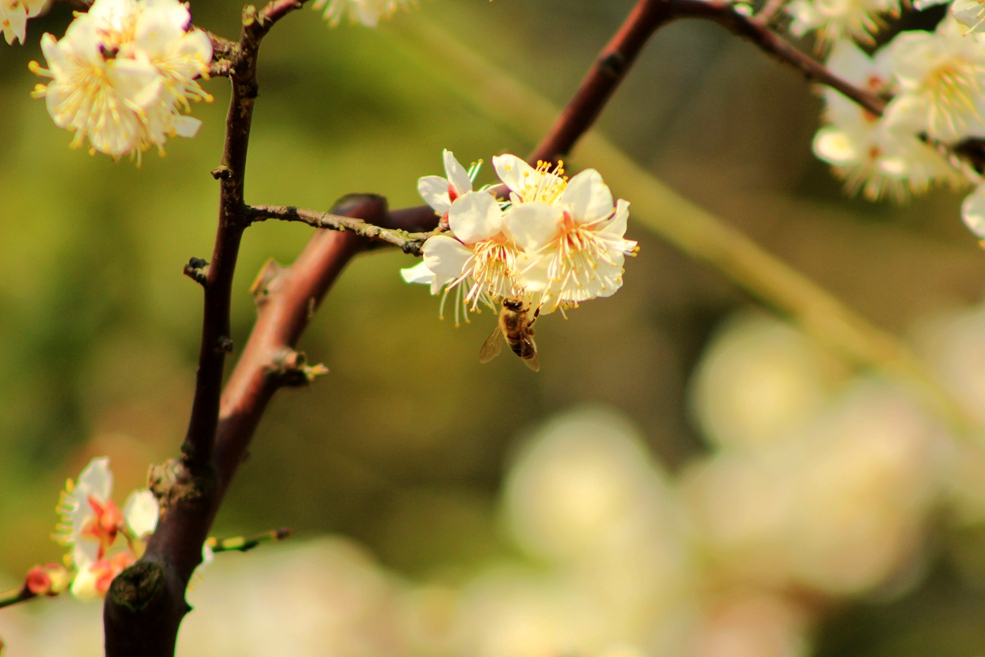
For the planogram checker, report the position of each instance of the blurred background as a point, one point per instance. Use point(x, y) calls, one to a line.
point(687, 475)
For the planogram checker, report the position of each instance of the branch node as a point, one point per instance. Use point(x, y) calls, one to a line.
point(290, 369)
point(613, 64)
point(224, 344)
point(263, 284)
point(172, 483)
point(222, 172)
point(197, 269)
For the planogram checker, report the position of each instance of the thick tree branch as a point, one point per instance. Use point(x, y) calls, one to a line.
point(145, 604)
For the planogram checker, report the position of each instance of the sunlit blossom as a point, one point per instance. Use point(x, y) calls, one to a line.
point(123, 74)
point(571, 233)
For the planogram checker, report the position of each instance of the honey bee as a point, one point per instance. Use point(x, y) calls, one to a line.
point(515, 324)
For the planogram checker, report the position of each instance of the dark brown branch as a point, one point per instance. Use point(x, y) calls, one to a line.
point(145, 603)
point(611, 66)
point(407, 242)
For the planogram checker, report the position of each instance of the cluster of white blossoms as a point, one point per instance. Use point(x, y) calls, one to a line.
point(367, 12)
point(14, 15)
point(933, 84)
point(551, 245)
point(124, 73)
point(92, 524)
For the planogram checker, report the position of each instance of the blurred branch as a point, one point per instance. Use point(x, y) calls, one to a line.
point(408, 242)
point(146, 603)
point(16, 596)
point(247, 543)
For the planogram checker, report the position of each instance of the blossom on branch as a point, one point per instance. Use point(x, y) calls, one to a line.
point(367, 12)
point(14, 15)
point(123, 74)
point(835, 20)
point(552, 245)
point(941, 77)
point(91, 524)
point(51, 579)
point(875, 156)
point(571, 233)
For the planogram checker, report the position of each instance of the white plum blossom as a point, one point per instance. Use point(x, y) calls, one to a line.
point(367, 12)
point(941, 78)
point(477, 258)
point(837, 20)
point(874, 155)
point(571, 233)
point(91, 523)
point(14, 15)
point(554, 244)
point(123, 73)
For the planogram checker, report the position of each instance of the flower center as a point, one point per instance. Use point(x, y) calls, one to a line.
point(492, 267)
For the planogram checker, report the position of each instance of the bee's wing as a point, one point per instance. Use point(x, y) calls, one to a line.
point(530, 358)
point(492, 346)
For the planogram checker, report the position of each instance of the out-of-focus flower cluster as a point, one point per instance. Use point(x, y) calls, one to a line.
point(821, 486)
point(934, 85)
point(123, 75)
point(551, 245)
point(103, 539)
point(367, 12)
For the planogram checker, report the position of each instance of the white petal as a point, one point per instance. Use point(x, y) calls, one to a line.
point(513, 171)
point(95, 481)
point(434, 191)
point(185, 126)
point(973, 212)
point(616, 226)
point(533, 225)
point(475, 216)
point(835, 147)
point(588, 197)
point(419, 273)
point(445, 256)
point(141, 511)
point(458, 176)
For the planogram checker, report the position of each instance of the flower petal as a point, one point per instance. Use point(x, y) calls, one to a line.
point(141, 512)
point(458, 176)
point(533, 225)
point(475, 216)
point(588, 197)
point(434, 191)
point(445, 256)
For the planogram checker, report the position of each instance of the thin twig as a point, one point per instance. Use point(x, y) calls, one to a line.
point(407, 242)
point(16, 596)
point(759, 32)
